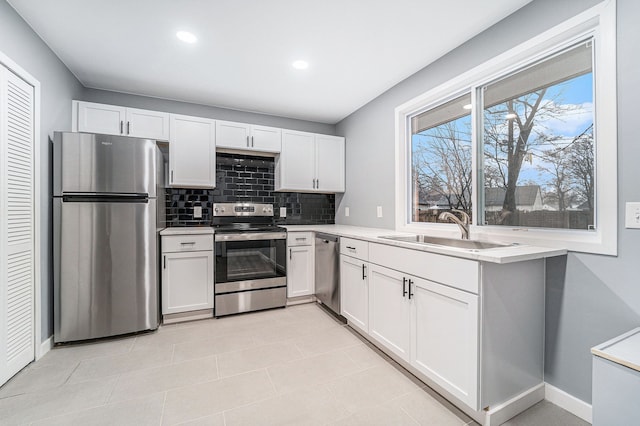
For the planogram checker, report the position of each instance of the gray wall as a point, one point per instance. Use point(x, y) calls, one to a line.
point(590, 298)
point(176, 107)
point(57, 87)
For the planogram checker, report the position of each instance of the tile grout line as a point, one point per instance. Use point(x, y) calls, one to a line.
point(164, 402)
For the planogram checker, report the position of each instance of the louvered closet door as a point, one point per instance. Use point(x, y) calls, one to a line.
point(16, 225)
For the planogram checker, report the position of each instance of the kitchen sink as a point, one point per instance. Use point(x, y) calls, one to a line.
point(447, 242)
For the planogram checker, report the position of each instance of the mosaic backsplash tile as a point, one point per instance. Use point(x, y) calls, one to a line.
point(245, 178)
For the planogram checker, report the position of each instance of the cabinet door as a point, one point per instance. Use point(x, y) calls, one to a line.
point(266, 139)
point(142, 123)
point(390, 310)
point(232, 135)
point(100, 118)
point(295, 166)
point(187, 281)
point(192, 152)
point(445, 338)
point(330, 163)
point(300, 271)
point(354, 292)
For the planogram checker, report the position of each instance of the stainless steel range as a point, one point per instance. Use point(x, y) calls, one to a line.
point(250, 250)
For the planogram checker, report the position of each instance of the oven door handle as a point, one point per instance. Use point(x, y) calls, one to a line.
point(251, 236)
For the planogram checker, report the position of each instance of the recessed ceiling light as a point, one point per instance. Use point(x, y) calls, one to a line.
point(510, 116)
point(186, 36)
point(300, 65)
point(467, 106)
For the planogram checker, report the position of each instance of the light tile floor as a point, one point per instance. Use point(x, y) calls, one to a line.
point(293, 366)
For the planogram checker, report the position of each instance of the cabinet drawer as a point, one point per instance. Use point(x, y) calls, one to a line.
point(452, 271)
point(179, 243)
point(299, 239)
point(354, 248)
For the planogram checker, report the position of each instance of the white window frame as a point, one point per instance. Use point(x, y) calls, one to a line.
point(598, 22)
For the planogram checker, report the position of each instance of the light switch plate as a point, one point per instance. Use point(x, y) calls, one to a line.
point(197, 212)
point(346, 211)
point(283, 212)
point(632, 215)
point(379, 211)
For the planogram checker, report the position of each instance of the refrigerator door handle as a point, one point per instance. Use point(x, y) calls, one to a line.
point(111, 198)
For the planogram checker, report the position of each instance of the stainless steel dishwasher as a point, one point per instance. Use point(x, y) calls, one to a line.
point(328, 271)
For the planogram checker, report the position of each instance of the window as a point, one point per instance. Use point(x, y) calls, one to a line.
point(441, 160)
point(525, 144)
point(538, 149)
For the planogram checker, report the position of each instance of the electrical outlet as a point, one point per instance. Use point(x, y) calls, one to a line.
point(197, 212)
point(283, 212)
point(632, 215)
point(379, 211)
point(346, 211)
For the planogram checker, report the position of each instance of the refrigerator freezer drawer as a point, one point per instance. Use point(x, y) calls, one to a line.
point(105, 282)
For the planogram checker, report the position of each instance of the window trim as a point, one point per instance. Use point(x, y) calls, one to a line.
point(598, 22)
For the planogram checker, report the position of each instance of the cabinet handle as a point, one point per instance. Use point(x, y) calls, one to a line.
point(171, 176)
point(351, 248)
point(188, 243)
point(128, 127)
point(290, 254)
point(164, 262)
point(121, 126)
point(252, 145)
point(404, 286)
point(247, 141)
point(317, 183)
point(410, 292)
point(301, 239)
point(363, 271)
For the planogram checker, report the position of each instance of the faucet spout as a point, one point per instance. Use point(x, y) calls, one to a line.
point(462, 224)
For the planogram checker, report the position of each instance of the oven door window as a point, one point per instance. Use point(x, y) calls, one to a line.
point(250, 260)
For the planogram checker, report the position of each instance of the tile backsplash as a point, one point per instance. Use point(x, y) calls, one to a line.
point(245, 178)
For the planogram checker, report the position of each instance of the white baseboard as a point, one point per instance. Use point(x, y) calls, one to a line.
point(499, 414)
point(44, 348)
point(568, 402)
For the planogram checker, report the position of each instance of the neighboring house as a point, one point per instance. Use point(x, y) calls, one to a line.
point(528, 198)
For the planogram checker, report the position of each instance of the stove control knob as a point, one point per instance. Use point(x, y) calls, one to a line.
point(216, 210)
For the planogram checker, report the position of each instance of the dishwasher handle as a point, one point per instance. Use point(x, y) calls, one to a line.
point(328, 238)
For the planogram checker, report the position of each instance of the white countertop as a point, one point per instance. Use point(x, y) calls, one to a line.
point(510, 254)
point(624, 349)
point(187, 230)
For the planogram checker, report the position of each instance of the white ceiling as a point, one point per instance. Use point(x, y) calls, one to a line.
point(356, 49)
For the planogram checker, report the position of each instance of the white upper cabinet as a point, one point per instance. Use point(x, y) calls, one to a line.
point(231, 135)
point(330, 163)
point(142, 123)
point(116, 120)
point(192, 152)
point(295, 167)
point(310, 163)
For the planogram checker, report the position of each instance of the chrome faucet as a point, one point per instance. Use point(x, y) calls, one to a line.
point(462, 224)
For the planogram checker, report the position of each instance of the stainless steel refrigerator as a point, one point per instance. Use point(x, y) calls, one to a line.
point(106, 194)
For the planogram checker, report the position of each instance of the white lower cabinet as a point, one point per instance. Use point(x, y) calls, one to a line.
point(354, 292)
point(300, 264)
point(390, 310)
point(187, 275)
point(444, 332)
point(475, 330)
